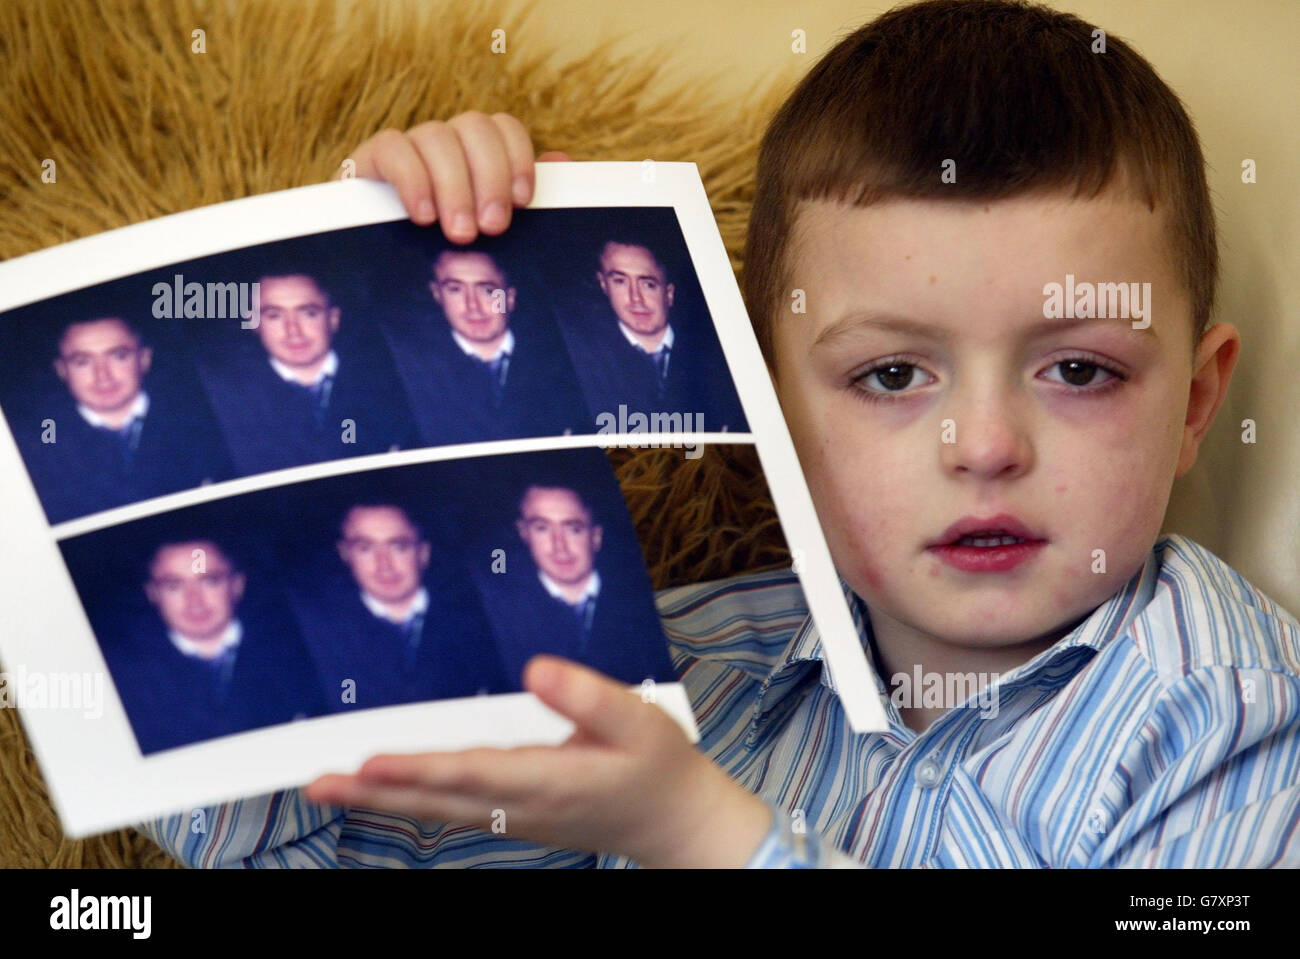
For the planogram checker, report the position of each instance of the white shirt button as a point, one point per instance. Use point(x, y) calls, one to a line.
point(928, 774)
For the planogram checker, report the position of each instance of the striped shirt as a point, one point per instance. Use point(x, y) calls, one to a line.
point(1163, 731)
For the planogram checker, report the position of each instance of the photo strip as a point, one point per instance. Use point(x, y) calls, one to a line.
point(292, 481)
point(382, 587)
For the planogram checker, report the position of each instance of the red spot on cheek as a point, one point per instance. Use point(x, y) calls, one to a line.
point(872, 578)
point(1061, 488)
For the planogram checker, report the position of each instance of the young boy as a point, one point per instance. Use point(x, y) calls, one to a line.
point(991, 470)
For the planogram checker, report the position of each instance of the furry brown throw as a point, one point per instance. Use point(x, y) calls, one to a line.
point(139, 125)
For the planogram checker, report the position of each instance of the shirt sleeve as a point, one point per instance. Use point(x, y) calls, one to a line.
point(1231, 797)
point(1258, 836)
point(789, 845)
point(278, 830)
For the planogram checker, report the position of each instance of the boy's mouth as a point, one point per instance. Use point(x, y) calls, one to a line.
point(995, 545)
point(983, 541)
point(995, 531)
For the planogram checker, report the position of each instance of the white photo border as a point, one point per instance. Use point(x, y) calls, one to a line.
point(94, 771)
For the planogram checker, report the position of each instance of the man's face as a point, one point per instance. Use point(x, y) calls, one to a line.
point(103, 365)
point(473, 295)
point(634, 282)
point(296, 321)
point(194, 588)
point(925, 323)
point(384, 552)
point(560, 534)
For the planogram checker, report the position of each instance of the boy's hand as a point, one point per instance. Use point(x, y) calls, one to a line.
point(628, 781)
point(465, 173)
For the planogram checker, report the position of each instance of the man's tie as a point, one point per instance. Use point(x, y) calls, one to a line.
point(583, 612)
point(496, 371)
point(128, 439)
point(660, 360)
point(318, 394)
point(221, 668)
point(412, 631)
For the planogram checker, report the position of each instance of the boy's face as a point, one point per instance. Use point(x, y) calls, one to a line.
point(978, 411)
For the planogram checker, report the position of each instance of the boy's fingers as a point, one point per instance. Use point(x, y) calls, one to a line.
point(595, 703)
point(518, 775)
point(415, 801)
point(519, 150)
point(390, 155)
point(554, 156)
point(489, 169)
point(470, 772)
point(444, 158)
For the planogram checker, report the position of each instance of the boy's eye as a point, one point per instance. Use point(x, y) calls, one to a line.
point(1080, 373)
point(891, 378)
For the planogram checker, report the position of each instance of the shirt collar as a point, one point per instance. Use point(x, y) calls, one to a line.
point(138, 409)
point(665, 343)
point(507, 345)
point(234, 632)
point(329, 368)
point(419, 606)
point(804, 651)
point(552, 587)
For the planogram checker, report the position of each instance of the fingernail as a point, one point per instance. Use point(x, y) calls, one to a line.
point(494, 216)
point(425, 212)
point(463, 225)
point(522, 190)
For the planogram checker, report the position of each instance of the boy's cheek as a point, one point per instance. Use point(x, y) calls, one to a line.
point(851, 541)
point(865, 523)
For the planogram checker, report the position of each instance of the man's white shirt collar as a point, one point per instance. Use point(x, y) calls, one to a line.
point(229, 640)
point(507, 345)
point(552, 587)
point(138, 409)
point(419, 606)
point(329, 368)
point(666, 342)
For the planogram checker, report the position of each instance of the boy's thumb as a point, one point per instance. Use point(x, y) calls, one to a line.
point(599, 706)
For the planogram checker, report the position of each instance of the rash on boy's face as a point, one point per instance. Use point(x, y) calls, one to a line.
point(925, 385)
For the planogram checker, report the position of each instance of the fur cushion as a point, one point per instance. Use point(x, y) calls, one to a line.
point(139, 125)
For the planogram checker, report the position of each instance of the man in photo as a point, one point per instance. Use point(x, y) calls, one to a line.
point(199, 666)
point(632, 352)
point(562, 600)
point(292, 393)
point(472, 373)
point(386, 631)
point(104, 440)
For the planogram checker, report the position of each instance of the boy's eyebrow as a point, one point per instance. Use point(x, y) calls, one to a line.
point(854, 321)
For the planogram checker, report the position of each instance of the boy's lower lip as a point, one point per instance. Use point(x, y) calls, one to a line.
point(989, 559)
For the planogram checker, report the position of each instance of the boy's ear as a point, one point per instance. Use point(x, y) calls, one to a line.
point(1216, 356)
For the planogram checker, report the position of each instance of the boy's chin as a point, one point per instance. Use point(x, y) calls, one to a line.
point(999, 630)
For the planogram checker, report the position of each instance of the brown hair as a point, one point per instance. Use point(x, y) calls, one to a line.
point(1011, 91)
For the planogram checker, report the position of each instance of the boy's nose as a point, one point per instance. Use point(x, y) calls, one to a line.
point(988, 438)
